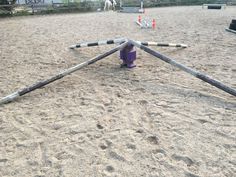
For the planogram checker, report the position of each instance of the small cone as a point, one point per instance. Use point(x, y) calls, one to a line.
point(139, 18)
point(153, 24)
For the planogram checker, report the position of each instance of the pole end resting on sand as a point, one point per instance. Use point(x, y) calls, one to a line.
point(40, 84)
point(72, 47)
point(9, 98)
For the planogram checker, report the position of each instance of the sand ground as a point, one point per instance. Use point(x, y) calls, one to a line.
point(153, 120)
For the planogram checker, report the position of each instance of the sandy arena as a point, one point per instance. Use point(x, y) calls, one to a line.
point(153, 121)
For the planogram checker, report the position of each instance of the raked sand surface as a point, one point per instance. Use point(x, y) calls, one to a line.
point(153, 121)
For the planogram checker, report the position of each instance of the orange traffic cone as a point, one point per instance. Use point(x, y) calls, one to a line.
point(139, 19)
point(153, 24)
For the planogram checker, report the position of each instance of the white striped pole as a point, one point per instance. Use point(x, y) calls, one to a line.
point(120, 40)
point(196, 74)
point(140, 24)
point(37, 85)
point(97, 43)
point(218, 5)
point(162, 44)
point(229, 30)
point(147, 24)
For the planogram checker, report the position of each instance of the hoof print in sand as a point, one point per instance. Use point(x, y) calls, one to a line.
point(186, 160)
point(105, 144)
point(202, 121)
point(139, 131)
point(110, 168)
point(131, 146)
point(103, 147)
point(3, 160)
point(99, 126)
point(153, 139)
point(116, 156)
point(119, 95)
point(187, 174)
point(159, 151)
point(142, 102)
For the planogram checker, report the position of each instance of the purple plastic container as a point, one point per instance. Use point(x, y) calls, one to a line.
point(128, 55)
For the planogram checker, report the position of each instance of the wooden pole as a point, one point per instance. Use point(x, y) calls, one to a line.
point(40, 84)
point(196, 74)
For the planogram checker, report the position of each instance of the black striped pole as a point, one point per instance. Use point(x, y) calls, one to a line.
point(196, 74)
point(162, 44)
point(33, 87)
point(140, 24)
point(230, 30)
point(120, 40)
point(214, 5)
point(97, 43)
point(145, 25)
